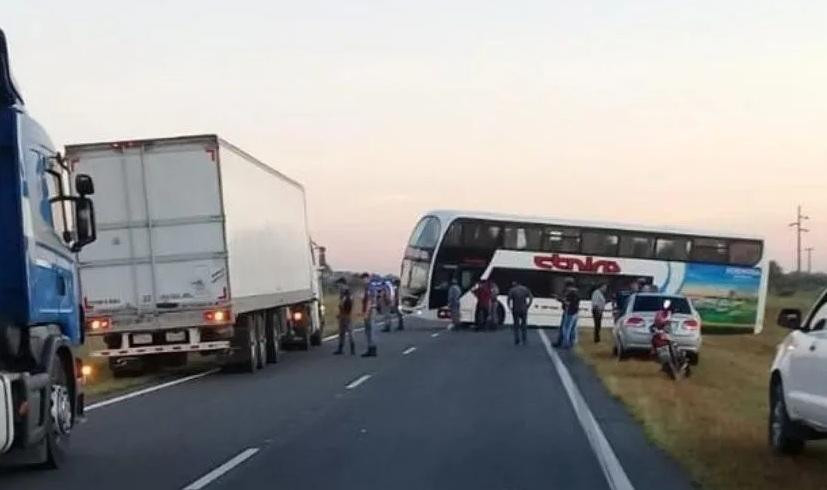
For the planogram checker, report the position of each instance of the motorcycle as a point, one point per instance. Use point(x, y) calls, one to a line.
point(673, 360)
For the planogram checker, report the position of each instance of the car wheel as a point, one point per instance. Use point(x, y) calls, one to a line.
point(784, 434)
point(618, 351)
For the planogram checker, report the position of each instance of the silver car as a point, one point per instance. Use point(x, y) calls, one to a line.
point(632, 330)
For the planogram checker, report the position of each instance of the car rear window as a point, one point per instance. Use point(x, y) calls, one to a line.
point(655, 303)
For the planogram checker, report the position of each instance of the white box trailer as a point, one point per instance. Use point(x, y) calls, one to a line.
point(201, 247)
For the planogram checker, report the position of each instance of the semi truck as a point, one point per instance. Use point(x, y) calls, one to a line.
point(201, 248)
point(46, 217)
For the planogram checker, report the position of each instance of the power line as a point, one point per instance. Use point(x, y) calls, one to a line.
point(799, 229)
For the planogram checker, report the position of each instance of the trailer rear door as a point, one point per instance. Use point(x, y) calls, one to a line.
point(160, 239)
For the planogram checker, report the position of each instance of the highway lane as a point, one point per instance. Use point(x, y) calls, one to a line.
point(461, 410)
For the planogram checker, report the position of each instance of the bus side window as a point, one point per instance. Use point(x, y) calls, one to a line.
point(599, 243)
point(641, 247)
point(561, 240)
point(673, 248)
point(744, 252)
point(710, 250)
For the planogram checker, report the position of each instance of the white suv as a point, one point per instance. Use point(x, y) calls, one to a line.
point(798, 390)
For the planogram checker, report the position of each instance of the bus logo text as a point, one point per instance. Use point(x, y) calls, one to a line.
point(588, 264)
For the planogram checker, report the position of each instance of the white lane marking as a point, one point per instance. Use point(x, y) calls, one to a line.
point(435, 334)
point(144, 391)
point(612, 470)
point(408, 351)
point(221, 470)
point(357, 381)
point(336, 336)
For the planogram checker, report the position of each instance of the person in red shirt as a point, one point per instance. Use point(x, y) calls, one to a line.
point(483, 295)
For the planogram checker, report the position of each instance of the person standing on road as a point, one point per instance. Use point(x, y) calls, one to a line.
point(454, 295)
point(483, 294)
point(571, 300)
point(385, 304)
point(345, 325)
point(598, 306)
point(493, 307)
point(397, 302)
point(519, 301)
point(370, 302)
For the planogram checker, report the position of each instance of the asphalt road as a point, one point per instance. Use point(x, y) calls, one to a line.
point(461, 410)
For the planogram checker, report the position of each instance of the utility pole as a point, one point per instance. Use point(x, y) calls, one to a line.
point(799, 229)
point(809, 259)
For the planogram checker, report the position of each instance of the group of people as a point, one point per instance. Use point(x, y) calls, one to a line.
point(380, 300)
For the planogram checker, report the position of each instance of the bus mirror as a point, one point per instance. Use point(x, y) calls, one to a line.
point(84, 185)
point(85, 221)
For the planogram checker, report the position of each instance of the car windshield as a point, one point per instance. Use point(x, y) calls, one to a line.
point(655, 303)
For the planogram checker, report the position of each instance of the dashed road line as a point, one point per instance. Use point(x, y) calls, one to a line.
point(612, 470)
point(144, 391)
point(356, 382)
point(336, 336)
point(221, 470)
point(408, 351)
point(435, 334)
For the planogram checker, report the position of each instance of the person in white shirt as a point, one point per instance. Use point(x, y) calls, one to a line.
point(598, 306)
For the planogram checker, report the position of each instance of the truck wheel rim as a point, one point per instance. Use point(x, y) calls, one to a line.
point(61, 410)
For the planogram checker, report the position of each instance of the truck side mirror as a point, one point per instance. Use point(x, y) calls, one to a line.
point(789, 318)
point(85, 222)
point(84, 185)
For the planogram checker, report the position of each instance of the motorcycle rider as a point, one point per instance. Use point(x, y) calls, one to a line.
point(660, 337)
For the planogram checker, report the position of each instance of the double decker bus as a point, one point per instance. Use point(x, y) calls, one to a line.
point(725, 275)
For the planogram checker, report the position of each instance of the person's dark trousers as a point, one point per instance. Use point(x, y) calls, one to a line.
point(520, 326)
point(559, 341)
point(399, 319)
point(597, 314)
point(481, 317)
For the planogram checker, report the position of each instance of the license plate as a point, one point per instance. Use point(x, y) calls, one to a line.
point(142, 338)
point(175, 336)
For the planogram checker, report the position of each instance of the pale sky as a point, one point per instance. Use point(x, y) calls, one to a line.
point(705, 114)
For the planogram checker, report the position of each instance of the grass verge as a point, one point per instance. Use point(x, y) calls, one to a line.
point(715, 423)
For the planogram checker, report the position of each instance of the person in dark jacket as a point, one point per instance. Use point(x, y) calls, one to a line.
point(519, 301)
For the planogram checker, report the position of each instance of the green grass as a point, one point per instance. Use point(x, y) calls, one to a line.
point(715, 423)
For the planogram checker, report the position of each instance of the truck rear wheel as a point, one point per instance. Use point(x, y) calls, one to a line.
point(250, 341)
point(261, 342)
point(60, 417)
point(316, 338)
point(271, 338)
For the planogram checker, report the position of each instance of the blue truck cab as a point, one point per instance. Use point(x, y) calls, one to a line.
point(45, 217)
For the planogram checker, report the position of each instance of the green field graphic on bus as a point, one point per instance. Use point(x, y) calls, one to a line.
point(723, 295)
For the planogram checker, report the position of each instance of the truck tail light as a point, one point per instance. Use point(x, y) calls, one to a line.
point(218, 316)
point(634, 321)
point(692, 324)
point(98, 324)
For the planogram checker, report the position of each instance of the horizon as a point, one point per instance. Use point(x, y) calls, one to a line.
point(694, 116)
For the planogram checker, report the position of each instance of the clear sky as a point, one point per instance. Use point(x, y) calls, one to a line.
point(706, 114)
